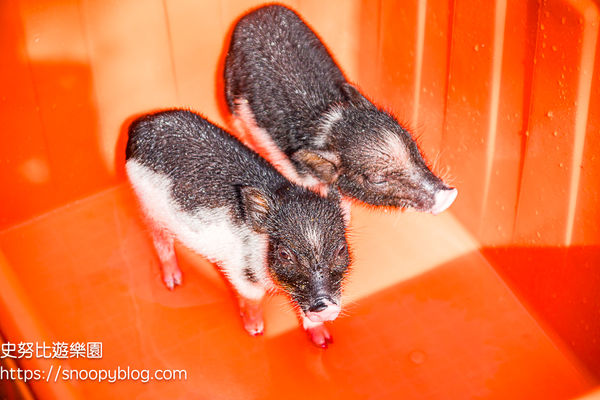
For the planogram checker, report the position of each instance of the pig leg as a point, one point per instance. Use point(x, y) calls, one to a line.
point(317, 332)
point(252, 317)
point(163, 243)
point(242, 270)
point(250, 301)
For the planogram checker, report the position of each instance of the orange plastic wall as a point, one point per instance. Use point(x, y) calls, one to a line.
point(506, 102)
point(504, 97)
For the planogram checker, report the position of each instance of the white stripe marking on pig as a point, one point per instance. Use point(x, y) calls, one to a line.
point(401, 154)
point(314, 237)
point(331, 117)
point(209, 232)
point(395, 148)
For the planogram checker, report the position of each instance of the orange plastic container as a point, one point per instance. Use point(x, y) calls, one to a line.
point(499, 298)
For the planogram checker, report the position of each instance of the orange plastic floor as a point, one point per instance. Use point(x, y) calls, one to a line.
point(427, 317)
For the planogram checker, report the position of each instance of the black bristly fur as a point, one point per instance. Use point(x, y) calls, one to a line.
point(281, 70)
point(277, 63)
point(209, 168)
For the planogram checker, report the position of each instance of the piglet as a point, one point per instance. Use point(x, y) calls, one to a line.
point(284, 89)
point(198, 184)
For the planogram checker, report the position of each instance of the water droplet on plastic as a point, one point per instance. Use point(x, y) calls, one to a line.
point(543, 45)
point(36, 39)
point(464, 98)
point(561, 165)
point(476, 47)
point(499, 227)
point(542, 27)
point(527, 133)
point(539, 235)
point(418, 357)
point(555, 133)
point(554, 48)
point(549, 114)
point(563, 20)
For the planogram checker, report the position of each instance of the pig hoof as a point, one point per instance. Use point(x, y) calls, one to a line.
point(253, 322)
point(254, 328)
point(251, 313)
point(172, 279)
point(320, 336)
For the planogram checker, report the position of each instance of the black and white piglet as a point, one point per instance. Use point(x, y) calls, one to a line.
point(200, 185)
point(285, 90)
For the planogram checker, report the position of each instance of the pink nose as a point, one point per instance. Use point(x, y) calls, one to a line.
point(443, 200)
point(329, 313)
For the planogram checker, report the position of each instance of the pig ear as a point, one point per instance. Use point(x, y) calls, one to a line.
point(325, 165)
point(256, 204)
point(355, 97)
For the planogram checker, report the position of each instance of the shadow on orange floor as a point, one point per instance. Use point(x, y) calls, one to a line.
point(455, 331)
point(572, 307)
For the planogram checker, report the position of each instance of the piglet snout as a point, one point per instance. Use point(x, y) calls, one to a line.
point(323, 310)
point(443, 199)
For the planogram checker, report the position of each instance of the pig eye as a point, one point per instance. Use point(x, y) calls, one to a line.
point(377, 180)
point(284, 254)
